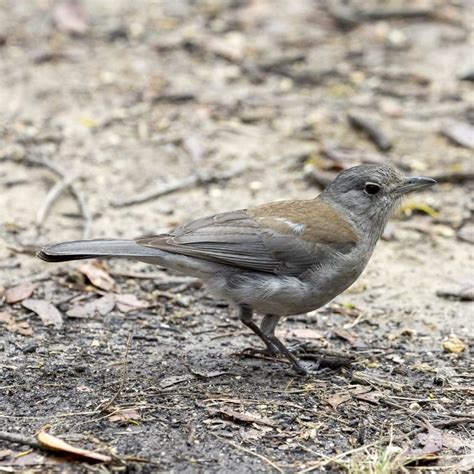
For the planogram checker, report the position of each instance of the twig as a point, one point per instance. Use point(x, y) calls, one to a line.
point(54, 193)
point(248, 451)
point(322, 179)
point(455, 177)
point(189, 181)
point(83, 209)
point(347, 17)
point(123, 379)
point(397, 13)
point(367, 379)
point(19, 439)
point(371, 129)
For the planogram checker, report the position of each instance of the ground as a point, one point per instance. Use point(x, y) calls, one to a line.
point(123, 97)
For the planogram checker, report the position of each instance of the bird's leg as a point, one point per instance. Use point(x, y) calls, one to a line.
point(267, 334)
point(245, 316)
point(268, 326)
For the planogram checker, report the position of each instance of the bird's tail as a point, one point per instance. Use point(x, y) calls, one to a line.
point(81, 249)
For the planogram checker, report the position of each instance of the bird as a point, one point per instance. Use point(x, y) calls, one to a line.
point(277, 259)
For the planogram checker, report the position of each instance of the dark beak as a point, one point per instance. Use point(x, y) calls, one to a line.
point(414, 184)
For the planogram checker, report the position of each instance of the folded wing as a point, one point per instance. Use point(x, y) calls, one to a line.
point(238, 239)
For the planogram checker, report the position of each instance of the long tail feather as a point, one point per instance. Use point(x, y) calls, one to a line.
point(81, 249)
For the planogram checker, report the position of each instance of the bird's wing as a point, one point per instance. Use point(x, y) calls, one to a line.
point(250, 239)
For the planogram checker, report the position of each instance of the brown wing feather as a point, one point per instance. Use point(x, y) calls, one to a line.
point(246, 239)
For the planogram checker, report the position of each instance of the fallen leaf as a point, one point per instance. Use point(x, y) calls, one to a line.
point(20, 292)
point(350, 337)
point(454, 345)
point(208, 375)
point(338, 399)
point(339, 159)
point(460, 133)
point(51, 442)
point(253, 434)
point(426, 446)
point(410, 206)
point(466, 233)
point(454, 442)
point(244, 417)
point(371, 397)
point(129, 302)
point(126, 415)
point(21, 327)
point(170, 381)
point(69, 16)
point(466, 464)
point(5, 317)
point(97, 276)
point(460, 291)
point(47, 312)
point(5, 453)
point(102, 306)
point(346, 395)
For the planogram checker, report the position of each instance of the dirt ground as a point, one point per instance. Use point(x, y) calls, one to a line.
point(237, 102)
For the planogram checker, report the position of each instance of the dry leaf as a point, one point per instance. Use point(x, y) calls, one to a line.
point(170, 381)
point(338, 399)
point(129, 302)
point(70, 17)
point(55, 444)
point(460, 133)
point(466, 233)
point(97, 276)
point(102, 306)
point(350, 337)
point(466, 464)
point(126, 415)
point(20, 292)
point(5, 317)
point(346, 395)
point(238, 416)
point(459, 291)
point(453, 442)
point(410, 206)
point(454, 345)
point(371, 397)
point(47, 312)
point(427, 446)
point(21, 327)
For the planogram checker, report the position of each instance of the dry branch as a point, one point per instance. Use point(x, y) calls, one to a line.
point(189, 181)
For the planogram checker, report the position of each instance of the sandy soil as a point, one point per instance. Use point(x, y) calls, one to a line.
point(124, 97)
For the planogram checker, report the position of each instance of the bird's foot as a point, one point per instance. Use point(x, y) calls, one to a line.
point(267, 352)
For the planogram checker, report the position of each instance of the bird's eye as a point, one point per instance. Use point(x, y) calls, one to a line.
point(372, 188)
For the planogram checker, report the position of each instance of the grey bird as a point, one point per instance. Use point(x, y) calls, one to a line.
point(281, 258)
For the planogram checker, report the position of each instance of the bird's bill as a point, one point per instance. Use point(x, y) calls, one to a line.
point(414, 183)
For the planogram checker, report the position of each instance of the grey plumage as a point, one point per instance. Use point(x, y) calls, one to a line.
point(281, 258)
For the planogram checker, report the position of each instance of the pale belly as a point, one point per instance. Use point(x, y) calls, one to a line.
point(282, 295)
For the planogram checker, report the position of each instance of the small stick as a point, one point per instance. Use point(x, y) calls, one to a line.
point(375, 134)
point(19, 439)
point(52, 196)
point(322, 179)
point(455, 177)
point(189, 181)
point(83, 209)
